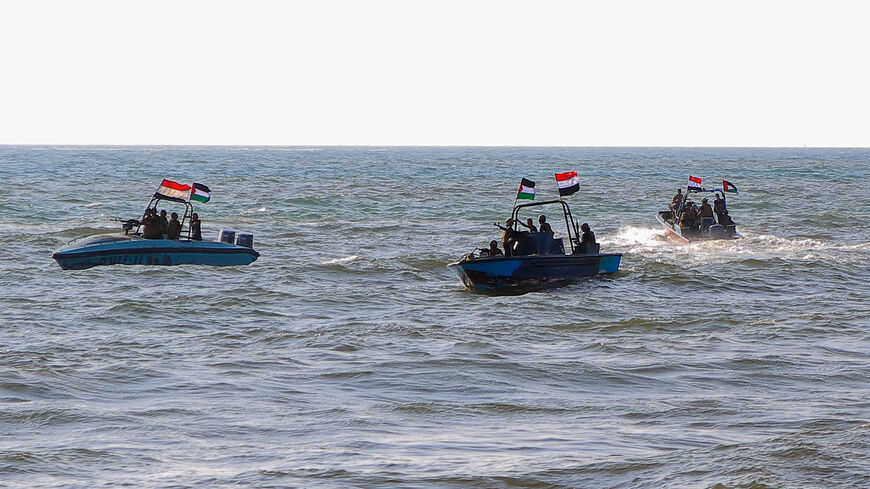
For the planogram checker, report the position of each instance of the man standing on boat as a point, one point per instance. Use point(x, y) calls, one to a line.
point(545, 226)
point(173, 229)
point(530, 225)
point(719, 208)
point(706, 210)
point(150, 225)
point(588, 236)
point(163, 222)
point(676, 202)
point(195, 227)
point(509, 237)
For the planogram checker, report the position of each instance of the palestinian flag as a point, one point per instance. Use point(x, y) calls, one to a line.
point(527, 190)
point(567, 182)
point(170, 190)
point(694, 183)
point(729, 187)
point(200, 193)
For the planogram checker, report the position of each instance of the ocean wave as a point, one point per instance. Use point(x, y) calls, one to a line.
point(340, 261)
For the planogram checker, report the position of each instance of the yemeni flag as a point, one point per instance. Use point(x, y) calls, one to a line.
point(729, 187)
point(694, 183)
point(527, 190)
point(170, 190)
point(200, 193)
point(567, 182)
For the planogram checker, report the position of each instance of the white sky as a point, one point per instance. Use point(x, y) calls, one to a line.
point(602, 73)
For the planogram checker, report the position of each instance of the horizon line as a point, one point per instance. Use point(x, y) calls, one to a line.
point(235, 145)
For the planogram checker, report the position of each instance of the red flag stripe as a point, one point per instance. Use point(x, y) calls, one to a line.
point(694, 179)
point(174, 185)
point(560, 177)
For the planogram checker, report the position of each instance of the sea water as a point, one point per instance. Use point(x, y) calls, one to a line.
point(348, 355)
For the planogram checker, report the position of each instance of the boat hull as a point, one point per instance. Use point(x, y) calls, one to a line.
point(129, 250)
point(502, 272)
point(675, 234)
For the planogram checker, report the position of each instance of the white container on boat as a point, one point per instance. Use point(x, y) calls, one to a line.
point(227, 236)
point(246, 240)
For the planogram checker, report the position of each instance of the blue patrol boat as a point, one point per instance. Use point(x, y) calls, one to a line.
point(536, 258)
point(132, 248)
point(121, 249)
point(681, 230)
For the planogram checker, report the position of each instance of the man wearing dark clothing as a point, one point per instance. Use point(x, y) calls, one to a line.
point(162, 222)
point(544, 225)
point(588, 236)
point(530, 225)
point(690, 213)
point(706, 210)
point(719, 208)
point(195, 227)
point(493, 249)
point(173, 229)
point(150, 225)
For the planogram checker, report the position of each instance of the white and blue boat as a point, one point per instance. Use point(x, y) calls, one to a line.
point(699, 229)
point(537, 258)
point(132, 248)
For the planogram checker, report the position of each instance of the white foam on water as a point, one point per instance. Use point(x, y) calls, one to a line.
point(633, 236)
point(94, 204)
point(337, 261)
point(261, 209)
point(792, 246)
point(654, 244)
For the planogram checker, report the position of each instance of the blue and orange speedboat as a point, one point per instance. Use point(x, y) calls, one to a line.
point(132, 248)
point(536, 258)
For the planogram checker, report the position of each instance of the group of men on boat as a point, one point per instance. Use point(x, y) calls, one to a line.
point(156, 226)
point(512, 236)
point(688, 215)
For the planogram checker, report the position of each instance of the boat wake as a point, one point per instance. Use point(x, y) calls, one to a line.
point(633, 237)
point(653, 243)
point(775, 243)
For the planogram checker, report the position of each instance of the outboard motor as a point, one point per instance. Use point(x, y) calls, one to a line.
point(706, 222)
point(689, 231)
point(227, 236)
point(246, 240)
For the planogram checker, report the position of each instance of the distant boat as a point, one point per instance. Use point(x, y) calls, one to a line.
point(686, 231)
point(537, 258)
point(131, 248)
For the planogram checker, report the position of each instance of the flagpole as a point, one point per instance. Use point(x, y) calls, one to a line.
point(516, 199)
